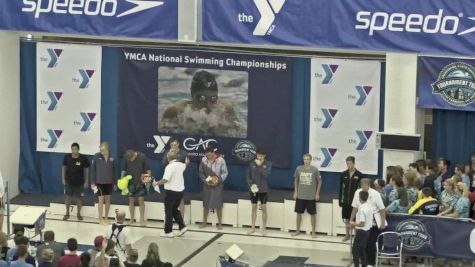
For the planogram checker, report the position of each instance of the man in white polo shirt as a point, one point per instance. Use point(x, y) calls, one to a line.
point(174, 187)
point(376, 205)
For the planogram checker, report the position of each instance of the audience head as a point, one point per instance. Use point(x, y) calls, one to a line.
point(457, 178)
point(72, 244)
point(365, 184)
point(23, 240)
point(443, 165)
point(397, 182)
point(410, 179)
point(98, 242)
point(133, 255)
point(110, 248)
point(120, 216)
point(47, 255)
point(379, 184)
point(350, 163)
point(152, 253)
point(390, 172)
point(462, 189)
point(49, 236)
point(22, 251)
point(403, 197)
point(421, 166)
point(413, 167)
point(427, 192)
point(85, 259)
point(449, 185)
point(460, 169)
point(432, 170)
point(399, 170)
point(17, 238)
point(363, 196)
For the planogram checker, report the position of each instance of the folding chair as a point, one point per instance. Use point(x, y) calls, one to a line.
point(389, 246)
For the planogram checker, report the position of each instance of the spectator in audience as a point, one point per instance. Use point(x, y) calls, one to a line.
point(110, 254)
point(427, 205)
point(3, 246)
point(396, 181)
point(378, 209)
point(45, 259)
point(390, 172)
point(96, 250)
point(462, 206)
point(85, 259)
point(447, 198)
point(379, 185)
point(50, 243)
point(413, 168)
point(411, 182)
point(132, 259)
point(349, 183)
point(119, 233)
point(400, 205)
point(444, 165)
point(430, 178)
point(22, 253)
point(12, 251)
point(23, 240)
point(422, 171)
point(460, 171)
point(153, 257)
point(471, 173)
point(71, 259)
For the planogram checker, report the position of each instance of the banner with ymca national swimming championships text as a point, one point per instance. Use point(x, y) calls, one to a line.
point(233, 102)
point(442, 26)
point(446, 83)
point(126, 18)
point(344, 113)
point(68, 93)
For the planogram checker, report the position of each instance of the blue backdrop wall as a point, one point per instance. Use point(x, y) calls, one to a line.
point(41, 172)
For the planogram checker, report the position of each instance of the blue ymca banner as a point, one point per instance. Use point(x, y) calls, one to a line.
point(233, 102)
point(446, 83)
point(444, 26)
point(430, 236)
point(127, 18)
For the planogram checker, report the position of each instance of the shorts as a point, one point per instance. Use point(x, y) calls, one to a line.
point(262, 197)
point(137, 189)
point(302, 204)
point(72, 190)
point(346, 212)
point(104, 189)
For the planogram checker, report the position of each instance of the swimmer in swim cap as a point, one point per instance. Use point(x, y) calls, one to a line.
point(204, 113)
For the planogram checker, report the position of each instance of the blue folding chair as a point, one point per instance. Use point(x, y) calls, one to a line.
point(389, 246)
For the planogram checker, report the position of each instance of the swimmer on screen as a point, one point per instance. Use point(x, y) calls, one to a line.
point(204, 113)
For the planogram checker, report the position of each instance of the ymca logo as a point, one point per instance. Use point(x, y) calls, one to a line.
point(54, 97)
point(329, 116)
point(364, 137)
point(54, 55)
point(363, 92)
point(87, 120)
point(161, 143)
point(330, 70)
point(54, 136)
point(268, 9)
point(86, 76)
point(328, 154)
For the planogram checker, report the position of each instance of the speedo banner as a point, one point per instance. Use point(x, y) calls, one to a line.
point(233, 102)
point(446, 83)
point(443, 26)
point(127, 18)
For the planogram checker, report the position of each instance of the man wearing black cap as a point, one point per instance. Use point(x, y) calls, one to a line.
point(204, 113)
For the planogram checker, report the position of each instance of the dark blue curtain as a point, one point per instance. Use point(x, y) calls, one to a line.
point(41, 172)
point(453, 135)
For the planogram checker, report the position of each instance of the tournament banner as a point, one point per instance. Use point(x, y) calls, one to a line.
point(126, 18)
point(233, 102)
point(446, 83)
point(344, 113)
point(443, 26)
point(68, 93)
point(430, 236)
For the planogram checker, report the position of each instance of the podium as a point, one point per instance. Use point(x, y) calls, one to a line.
point(29, 217)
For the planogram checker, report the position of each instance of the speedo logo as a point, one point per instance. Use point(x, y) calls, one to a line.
point(415, 23)
point(106, 8)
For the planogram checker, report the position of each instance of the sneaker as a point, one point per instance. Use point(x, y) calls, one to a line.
point(80, 217)
point(168, 235)
point(66, 217)
point(182, 231)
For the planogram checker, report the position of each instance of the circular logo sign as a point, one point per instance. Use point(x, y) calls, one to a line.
point(414, 234)
point(456, 84)
point(245, 150)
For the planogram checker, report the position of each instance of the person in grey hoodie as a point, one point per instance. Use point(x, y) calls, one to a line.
point(258, 179)
point(103, 173)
